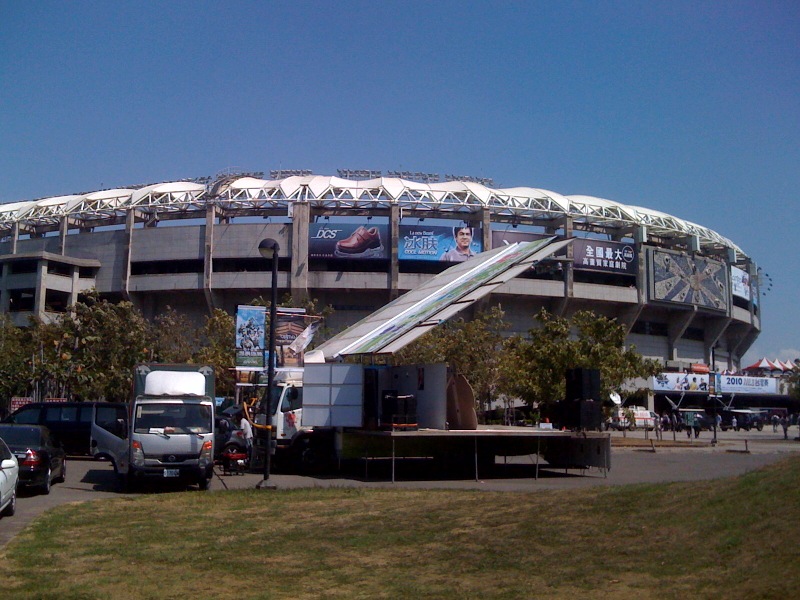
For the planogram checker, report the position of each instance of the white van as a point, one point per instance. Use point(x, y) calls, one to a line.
point(642, 418)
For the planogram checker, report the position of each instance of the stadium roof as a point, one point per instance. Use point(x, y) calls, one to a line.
point(243, 195)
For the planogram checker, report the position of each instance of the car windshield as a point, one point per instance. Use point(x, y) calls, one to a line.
point(20, 436)
point(171, 418)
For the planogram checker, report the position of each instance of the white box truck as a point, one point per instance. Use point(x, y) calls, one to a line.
point(167, 434)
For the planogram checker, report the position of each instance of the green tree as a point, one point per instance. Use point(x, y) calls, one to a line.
point(469, 347)
point(218, 339)
point(14, 367)
point(175, 338)
point(99, 345)
point(46, 368)
point(794, 383)
point(535, 368)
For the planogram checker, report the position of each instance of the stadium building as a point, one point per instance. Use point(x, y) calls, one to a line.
point(684, 292)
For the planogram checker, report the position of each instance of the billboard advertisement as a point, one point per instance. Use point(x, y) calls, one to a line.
point(250, 327)
point(439, 243)
point(727, 384)
point(680, 382)
point(606, 256)
point(252, 349)
point(355, 241)
point(289, 324)
point(741, 384)
point(689, 279)
point(740, 283)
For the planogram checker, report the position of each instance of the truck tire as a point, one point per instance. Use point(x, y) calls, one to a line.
point(204, 484)
point(312, 461)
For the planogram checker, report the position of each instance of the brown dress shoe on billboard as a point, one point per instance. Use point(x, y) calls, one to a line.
point(362, 243)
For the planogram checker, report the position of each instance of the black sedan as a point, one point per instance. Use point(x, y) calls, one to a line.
point(41, 460)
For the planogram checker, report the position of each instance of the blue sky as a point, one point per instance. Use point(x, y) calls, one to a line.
point(690, 108)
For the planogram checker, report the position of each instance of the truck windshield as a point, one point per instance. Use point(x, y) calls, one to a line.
point(172, 418)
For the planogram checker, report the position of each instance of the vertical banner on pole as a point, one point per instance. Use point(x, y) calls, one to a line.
point(250, 327)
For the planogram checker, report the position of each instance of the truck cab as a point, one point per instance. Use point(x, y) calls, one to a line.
point(287, 407)
point(168, 433)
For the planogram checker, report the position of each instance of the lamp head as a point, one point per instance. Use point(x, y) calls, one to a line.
point(268, 248)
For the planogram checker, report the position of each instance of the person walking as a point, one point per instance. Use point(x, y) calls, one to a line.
point(785, 425)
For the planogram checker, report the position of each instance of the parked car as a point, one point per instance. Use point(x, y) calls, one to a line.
point(41, 459)
point(9, 479)
point(69, 422)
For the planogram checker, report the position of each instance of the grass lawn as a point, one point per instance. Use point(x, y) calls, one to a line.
point(729, 538)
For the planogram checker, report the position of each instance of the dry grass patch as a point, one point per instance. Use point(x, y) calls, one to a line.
point(732, 538)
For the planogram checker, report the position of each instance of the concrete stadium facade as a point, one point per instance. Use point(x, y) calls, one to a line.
point(684, 292)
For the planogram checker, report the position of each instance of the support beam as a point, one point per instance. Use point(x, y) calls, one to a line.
point(394, 235)
point(677, 327)
point(208, 258)
point(63, 226)
point(628, 317)
point(298, 275)
point(130, 221)
point(713, 331)
point(41, 288)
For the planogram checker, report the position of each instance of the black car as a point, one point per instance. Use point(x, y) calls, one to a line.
point(42, 461)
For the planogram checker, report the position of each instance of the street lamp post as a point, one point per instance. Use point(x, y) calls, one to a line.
point(269, 249)
point(712, 391)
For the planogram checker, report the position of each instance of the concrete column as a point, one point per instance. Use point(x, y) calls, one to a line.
point(486, 219)
point(14, 237)
point(5, 297)
point(130, 221)
point(298, 275)
point(677, 326)
point(41, 288)
point(394, 262)
point(713, 331)
point(75, 287)
point(62, 235)
point(569, 273)
point(208, 258)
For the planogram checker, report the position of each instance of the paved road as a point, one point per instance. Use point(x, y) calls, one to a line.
point(633, 461)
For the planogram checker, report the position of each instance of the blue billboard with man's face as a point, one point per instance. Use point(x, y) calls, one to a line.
point(439, 243)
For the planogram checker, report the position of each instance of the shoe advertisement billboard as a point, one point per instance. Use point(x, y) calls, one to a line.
point(357, 241)
point(435, 242)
